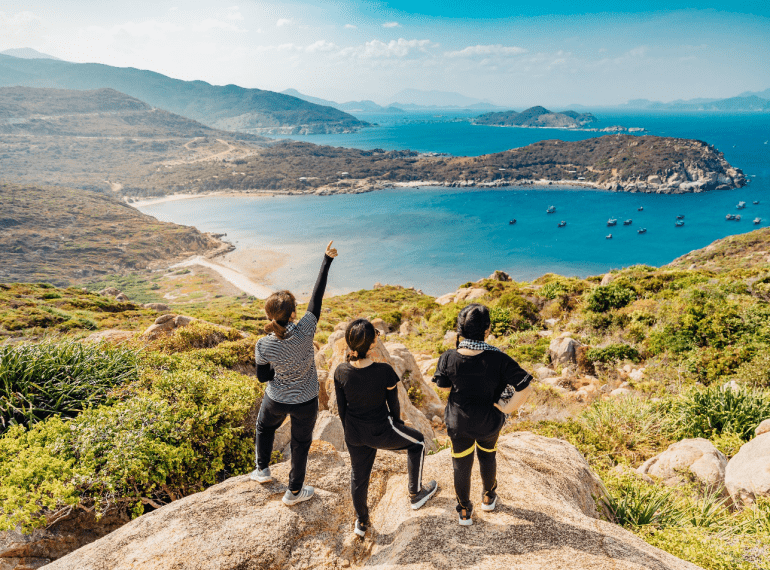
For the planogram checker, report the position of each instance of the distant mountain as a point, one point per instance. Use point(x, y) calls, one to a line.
point(536, 117)
point(228, 107)
point(762, 94)
point(349, 107)
point(27, 53)
point(433, 98)
point(742, 103)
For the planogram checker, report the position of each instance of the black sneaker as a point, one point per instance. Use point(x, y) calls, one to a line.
point(465, 515)
point(361, 528)
point(425, 493)
point(489, 501)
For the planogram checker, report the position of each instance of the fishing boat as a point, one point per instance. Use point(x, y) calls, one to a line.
point(608, 236)
point(680, 217)
point(641, 231)
point(738, 218)
point(730, 217)
point(640, 209)
point(755, 202)
point(562, 224)
point(679, 223)
point(612, 222)
point(627, 222)
point(551, 210)
point(757, 220)
point(513, 221)
point(740, 205)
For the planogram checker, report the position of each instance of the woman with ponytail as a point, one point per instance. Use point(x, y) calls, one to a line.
point(485, 384)
point(367, 399)
point(285, 360)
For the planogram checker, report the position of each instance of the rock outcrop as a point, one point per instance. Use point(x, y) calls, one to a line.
point(408, 370)
point(164, 325)
point(462, 294)
point(697, 457)
point(748, 473)
point(563, 350)
point(546, 518)
point(763, 427)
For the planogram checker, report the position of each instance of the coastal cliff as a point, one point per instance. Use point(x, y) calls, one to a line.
point(625, 163)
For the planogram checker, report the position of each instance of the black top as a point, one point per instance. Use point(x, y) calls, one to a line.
point(477, 383)
point(367, 395)
point(265, 372)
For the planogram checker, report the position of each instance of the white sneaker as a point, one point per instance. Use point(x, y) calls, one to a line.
point(261, 475)
point(305, 493)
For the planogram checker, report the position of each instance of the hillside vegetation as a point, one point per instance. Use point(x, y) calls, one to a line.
point(618, 162)
point(226, 107)
point(62, 235)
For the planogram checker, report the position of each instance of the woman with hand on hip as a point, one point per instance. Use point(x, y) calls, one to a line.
point(367, 399)
point(286, 361)
point(485, 384)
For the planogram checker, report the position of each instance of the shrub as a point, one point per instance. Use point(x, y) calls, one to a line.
point(393, 318)
point(62, 379)
point(523, 313)
point(716, 410)
point(606, 297)
point(415, 396)
point(634, 504)
point(198, 335)
point(553, 289)
point(613, 353)
point(501, 320)
point(755, 372)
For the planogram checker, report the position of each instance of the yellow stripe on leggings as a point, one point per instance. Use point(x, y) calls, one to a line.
point(487, 450)
point(462, 453)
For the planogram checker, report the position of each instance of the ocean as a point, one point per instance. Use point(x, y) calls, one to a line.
point(436, 239)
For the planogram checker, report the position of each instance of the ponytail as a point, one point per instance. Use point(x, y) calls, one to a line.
point(276, 328)
point(359, 336)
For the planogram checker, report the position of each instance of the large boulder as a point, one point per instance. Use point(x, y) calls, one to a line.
point(500, 276)
point(328, 428)
point(563, 350)
point(697, 457)
point(546, 518)
point(763, 427)
point(409, 413)
point(409, 371)
point(748, 473)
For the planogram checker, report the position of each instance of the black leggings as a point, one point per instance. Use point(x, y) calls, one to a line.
point(363, 442)
point(462, 462)
point(271, 416)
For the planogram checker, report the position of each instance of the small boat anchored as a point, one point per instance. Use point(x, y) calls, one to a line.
point(612, 222)
point(740, 205)
point(551, 210)
point(627, 222)
point(513, 221)
point(680, 217)
point(730, 217)
point(640, 209)
point(738, 218)
point(562, 224)
point(757, 220)
point(679, 223)
point(755, 202)
point(608, 236)
point(641, 231)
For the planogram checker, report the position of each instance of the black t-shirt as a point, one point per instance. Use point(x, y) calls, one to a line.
point(477, 383)
point(361, 392)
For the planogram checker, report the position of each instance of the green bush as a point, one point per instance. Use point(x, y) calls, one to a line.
point(606, 297)
point(198, 335)
point(634, 504)
point(613, 353)
point(523, 313)
point(393, 318)
point(755, 372)
point(59, 378)
point(717, 410)
point(176, 431)
point(553, 289)
point(500, 319)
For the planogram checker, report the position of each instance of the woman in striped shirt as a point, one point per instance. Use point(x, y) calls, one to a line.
point(285, 360)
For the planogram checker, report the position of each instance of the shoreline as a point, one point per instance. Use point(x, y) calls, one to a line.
point(232, 275)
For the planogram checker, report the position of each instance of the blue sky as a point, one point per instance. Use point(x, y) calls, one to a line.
point(515, 54)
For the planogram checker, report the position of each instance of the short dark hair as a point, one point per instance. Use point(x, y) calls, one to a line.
point(472, 322)
point(360, 335)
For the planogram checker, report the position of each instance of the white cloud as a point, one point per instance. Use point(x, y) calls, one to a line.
point(213, 24)
point(234, 13)
point(640, 51)
point(486, 51)
point(19, 30)
point(284, 22)
point(321, 46)
point(351, 27)
point(391, 25)
point(393, 49)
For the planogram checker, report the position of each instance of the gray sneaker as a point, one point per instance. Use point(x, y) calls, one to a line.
point(305, 493)
point(261, 475)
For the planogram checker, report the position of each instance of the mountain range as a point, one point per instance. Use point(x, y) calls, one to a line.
point(227, 107)
point(749, 102)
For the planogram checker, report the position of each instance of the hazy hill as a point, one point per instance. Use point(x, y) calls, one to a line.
point(365, 106)
point(228, 107)
point(746, 102)
point(535, 117)
point(27, 53)
point(434, 98)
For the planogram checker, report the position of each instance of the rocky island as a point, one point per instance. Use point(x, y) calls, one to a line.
point(536, 117)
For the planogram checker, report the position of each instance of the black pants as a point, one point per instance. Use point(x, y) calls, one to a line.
point(271, 416)
point(462, 462)
point(363, 442)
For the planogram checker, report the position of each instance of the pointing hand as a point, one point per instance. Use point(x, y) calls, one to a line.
point(331, 251)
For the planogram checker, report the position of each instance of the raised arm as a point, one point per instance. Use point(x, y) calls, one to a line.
point(314, 306)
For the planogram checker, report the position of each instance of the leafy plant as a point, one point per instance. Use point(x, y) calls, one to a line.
point(634, 504)
point(613, 353)
point(717, 410)
point(606, 297)
point(59, 379)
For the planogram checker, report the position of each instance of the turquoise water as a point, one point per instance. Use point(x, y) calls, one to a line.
point(437, 239)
